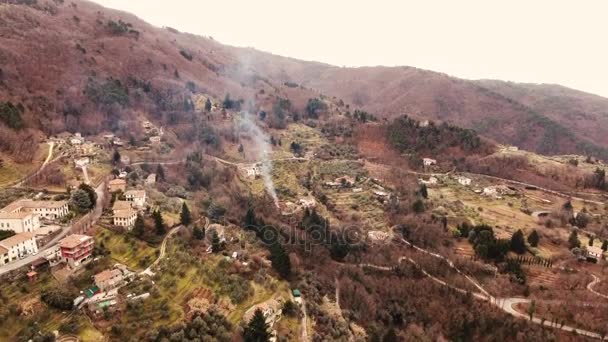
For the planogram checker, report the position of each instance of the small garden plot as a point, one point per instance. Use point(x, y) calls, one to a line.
point(309, 138)
point(361, 207)
point(126, 249)
point(329, 170)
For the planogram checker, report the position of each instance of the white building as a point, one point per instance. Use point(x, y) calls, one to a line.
point(429, 161)
point(138, 197)
point(17, 247)
point(125, 218)
point(463, 180)
point(252, 171)
point(151, 179)
point(82, 162)
point(431, 181)
point(595, 253)
point(20, 222)
point(46, 209)
point(124, 214)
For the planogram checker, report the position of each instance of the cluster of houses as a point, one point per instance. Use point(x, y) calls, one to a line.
point(25, 217)
point(125, 211)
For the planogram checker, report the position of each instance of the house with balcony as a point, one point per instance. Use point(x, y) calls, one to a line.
point(138, 197)
point(76, 249)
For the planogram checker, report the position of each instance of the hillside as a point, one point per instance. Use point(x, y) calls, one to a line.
point(57, 58)
point(546, 119)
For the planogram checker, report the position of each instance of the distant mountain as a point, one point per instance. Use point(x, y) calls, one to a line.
point(77, 66)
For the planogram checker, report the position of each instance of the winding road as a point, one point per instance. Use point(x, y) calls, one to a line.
point(590, 286)
point(161, 255)
point(505, 304)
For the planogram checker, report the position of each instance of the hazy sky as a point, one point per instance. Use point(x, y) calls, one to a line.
point(540, 41)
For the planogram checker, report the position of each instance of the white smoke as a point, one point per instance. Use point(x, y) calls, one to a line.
point(262, 149)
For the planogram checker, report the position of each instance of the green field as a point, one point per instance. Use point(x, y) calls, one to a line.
point(126, 250)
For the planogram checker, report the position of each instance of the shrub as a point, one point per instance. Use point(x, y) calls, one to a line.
point(10, 114)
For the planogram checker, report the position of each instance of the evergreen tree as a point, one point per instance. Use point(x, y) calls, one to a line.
point(573, 241)
point(215, 242)
point(159, 223)
point(80, 201)
point(257, 328)
point(139, 227)
point(185, 217)
point(208, 105)
point(605, 245)
point(518, 244)
point(90, 192)
point(533, 238)
point(423, 191)
point(160, 173)
point(249, 220)
point(418, 206)
point(116, 157)
point(198, 233)
point(280, 259)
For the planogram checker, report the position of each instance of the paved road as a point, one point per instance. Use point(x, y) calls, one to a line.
point(592, 284)
point(95, 215)
point(86, 175)
point(505, 304)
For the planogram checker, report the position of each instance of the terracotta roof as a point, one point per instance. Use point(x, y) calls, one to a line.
point(13, 216)
point(16, 205)
point(16, 239)
point(74, 240)
point(43, 204)
point(122, 205)
point(106, 275)
point(117, 181)
point(3, 250)
point(125, 213)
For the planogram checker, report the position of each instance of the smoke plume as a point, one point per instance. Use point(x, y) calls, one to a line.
point(262, 150)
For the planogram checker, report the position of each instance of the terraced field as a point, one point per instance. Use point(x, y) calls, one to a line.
point(360, 207)
point(540, 275)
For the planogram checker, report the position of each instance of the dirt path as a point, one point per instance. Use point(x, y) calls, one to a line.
point(590, 286)
point(505, 304)
point(161, 255)
point(304, 322)
point(20, 182)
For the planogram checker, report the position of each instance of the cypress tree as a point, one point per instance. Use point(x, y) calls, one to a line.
point(517, 242)
point(257, 328)
point(185, 217)
point(533, 238)
point(159, 223)
point(280, 259)
point(139, 227)
point(215, 242)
